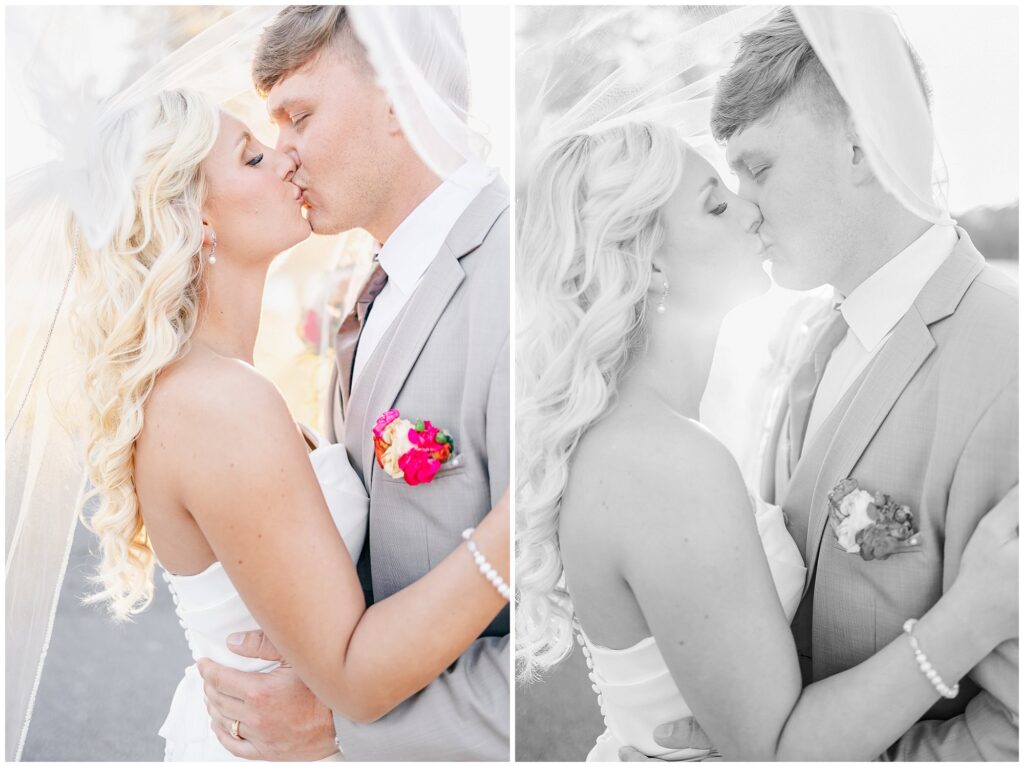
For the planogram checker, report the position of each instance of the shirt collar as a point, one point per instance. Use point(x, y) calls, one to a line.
point(411, 248)
point(877, 304)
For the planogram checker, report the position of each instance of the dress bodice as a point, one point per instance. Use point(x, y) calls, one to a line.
point(634, 686)
point(209, 608)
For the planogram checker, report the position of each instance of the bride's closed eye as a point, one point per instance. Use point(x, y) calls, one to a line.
point(256, 160)
point(719, 209)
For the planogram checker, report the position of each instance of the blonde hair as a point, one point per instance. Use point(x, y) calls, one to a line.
point(591, 227)
point(134, 312)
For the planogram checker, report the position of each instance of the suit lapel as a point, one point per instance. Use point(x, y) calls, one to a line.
point(391, 363)
point(381, 381)
point(884, 381)
point(887, 376)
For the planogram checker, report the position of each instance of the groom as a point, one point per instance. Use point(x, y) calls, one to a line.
point(430, 337)
point(917, 396)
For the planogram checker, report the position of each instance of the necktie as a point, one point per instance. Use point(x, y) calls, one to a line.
point(806, 381)
point(347, 340)
point(345, 344)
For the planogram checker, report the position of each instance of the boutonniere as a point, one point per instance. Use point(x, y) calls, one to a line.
point(410, 451)
point(871, 525)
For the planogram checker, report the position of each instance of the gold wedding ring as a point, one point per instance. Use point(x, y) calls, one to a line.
point(234, 730)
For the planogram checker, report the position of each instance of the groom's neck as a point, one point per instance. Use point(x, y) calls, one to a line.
point(407, 190)
point(887, 231)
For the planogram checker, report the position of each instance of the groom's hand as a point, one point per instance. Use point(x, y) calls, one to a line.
point(279, 718)
point(684, 733)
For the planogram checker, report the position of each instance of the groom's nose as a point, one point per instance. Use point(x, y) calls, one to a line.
point(751, 216)
point(285, 165)
point(288, 148)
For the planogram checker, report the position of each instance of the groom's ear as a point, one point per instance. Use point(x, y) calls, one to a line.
point(394, 126)
point(860, 169)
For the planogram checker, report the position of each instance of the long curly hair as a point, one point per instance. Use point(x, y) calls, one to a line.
point(591, 226)
point(135, 308)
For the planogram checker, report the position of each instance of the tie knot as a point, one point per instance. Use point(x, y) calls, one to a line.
point(374, 285)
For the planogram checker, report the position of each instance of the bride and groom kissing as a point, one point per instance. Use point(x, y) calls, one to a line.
point(867, 607)
point(344, 596)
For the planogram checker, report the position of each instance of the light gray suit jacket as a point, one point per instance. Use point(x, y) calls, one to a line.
point(445, 358)
point(932, 422)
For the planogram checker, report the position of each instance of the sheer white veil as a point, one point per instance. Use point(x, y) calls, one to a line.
point(79, 196)
point(418, 54)
point(670, 75)
point(872, 63)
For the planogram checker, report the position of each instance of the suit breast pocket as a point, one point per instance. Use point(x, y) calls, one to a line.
point(451, 468)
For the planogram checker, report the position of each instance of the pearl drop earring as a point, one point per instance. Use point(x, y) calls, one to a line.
point(660, 308)
point(213, 249)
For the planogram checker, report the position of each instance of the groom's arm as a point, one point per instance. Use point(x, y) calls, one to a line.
point(462, 716)
point(988, 728)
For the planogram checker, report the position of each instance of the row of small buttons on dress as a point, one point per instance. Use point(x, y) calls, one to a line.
point(181, 621)
point(590, 668)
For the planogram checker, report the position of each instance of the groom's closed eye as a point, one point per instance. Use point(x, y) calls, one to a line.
point(757, 174)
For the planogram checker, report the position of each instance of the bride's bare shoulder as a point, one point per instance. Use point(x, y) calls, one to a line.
point(654, 464)
point(205, 392)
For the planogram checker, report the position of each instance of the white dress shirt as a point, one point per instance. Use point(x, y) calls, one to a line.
point(412, 247)
point(873, 310)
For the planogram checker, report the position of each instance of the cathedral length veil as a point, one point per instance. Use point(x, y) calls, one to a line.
point(584, 72)
point(74, 201)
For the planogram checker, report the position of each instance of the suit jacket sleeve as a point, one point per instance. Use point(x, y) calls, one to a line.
point(463, 715)
point(498, 437)
point(988, 728)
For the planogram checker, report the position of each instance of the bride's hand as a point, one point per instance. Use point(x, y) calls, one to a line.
point(988, 574)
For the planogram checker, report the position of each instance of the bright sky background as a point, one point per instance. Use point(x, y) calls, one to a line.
point(971, 55)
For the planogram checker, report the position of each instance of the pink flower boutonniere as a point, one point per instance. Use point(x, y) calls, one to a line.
point(873, 526)
point(410, 451)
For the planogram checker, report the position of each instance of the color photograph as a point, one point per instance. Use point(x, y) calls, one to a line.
point(258, 383)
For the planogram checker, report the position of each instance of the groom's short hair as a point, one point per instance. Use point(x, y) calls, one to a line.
point(774, 62)
point(298, 34)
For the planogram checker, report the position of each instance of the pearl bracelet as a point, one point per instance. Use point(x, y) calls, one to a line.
point(484, 566)
point(925, 666)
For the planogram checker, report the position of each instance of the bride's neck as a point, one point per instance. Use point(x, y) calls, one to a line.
point(229, 309)
point(675, 367)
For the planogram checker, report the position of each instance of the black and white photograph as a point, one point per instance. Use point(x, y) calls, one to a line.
point(258, 395)
point(766, 383)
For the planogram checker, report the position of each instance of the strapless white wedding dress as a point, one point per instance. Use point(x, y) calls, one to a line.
point(634, 687)
point(209, 608)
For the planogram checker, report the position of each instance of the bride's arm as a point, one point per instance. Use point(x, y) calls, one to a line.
point(698, 571)
point(250, 486)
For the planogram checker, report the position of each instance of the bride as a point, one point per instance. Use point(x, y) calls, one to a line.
point(631, 252)
point(193, 456)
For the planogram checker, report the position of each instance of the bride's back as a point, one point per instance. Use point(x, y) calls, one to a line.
point(614, 493)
